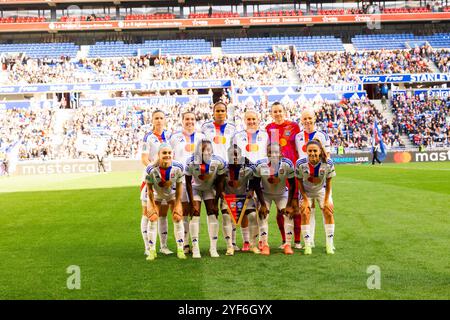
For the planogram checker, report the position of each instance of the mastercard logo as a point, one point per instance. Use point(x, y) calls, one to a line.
point(252, 147)
point(402, 157)
point(189, 147)
point(283, 142)
point(220, 140)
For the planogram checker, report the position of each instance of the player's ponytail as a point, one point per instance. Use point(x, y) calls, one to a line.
point(323, 153)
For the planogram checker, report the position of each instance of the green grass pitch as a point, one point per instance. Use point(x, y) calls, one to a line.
point(396, 217)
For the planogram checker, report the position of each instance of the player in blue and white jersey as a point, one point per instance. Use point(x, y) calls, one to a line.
point(239, 175)
point(150, 146)
point(308, 133)
point(253, 143)
point(164, 184)
point(314, 174)
point(183, 144)
point(204, 173)
point(276, 173)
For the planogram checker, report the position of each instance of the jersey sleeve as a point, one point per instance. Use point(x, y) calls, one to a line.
point(180, 176)
point(289, 169)
point(299, 167)
point(148, 176)
point(331, 171)
point(222, 167)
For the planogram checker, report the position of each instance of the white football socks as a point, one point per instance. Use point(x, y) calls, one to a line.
point(144, 223)
point(288, 229)
point(306, 234)
point(227, 229)
point(253, 228)
point(312, 223)
point(178, 228)
point(329, 232)
point(194, 227)
point(233, 234)
point(163, 229)
point(152, 232)
point(264, 230)
point(213, 230)
point(186, 230)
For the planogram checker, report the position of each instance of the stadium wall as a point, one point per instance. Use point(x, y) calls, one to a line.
point(117, 165)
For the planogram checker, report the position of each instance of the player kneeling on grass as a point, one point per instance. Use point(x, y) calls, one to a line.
point(204, 174)
point(164, 182)
point(238, 184)
point(274, 172)
point(314, 174)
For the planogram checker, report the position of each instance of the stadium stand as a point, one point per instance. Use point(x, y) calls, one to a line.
point(41, 50)
point(423, 119)
point(263, 45)
point(167, 47)
point(399, 41)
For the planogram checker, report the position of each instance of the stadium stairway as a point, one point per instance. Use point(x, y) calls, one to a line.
point(216, 51)
point(292, 76)
point(433, 67)
point(83, 52)
point(389, 116)
point(350, 48)
point(61, 116)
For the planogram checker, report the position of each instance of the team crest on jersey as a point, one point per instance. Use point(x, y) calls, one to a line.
point(165, 184)
point(287, 133)
point(314, 180)
point(273, 180)
point(321, 172)
point(281, 171)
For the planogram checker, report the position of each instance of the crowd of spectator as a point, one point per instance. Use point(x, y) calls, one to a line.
point(262, 70)
point(442, 59)
point(33, 129)
point(268, 69)
point(333, 67)
point(423, 118)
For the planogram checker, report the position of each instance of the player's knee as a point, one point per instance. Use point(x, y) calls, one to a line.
point(305, 213)
point(154, 217)
point(328, 214)
point(177, 217)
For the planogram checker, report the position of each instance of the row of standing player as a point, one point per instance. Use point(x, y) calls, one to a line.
point(270, 157)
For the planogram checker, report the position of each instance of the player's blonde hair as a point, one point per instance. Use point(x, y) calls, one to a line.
point(251, 110)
